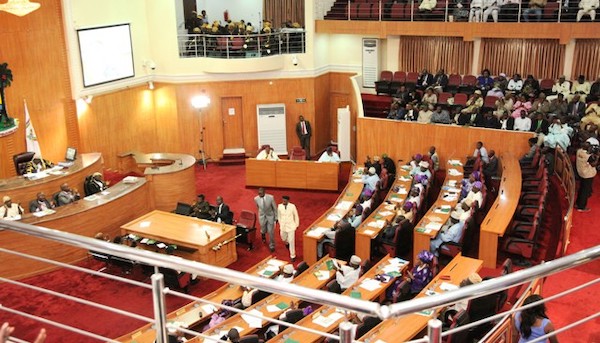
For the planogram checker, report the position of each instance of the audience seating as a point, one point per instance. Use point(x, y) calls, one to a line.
point(401, 244)
point(397, 80)
point(20, 161)
point(468, 85)
point(383, 84)
point(246, 228)
point(176, 280)
point(459, 319)
point(369, 322)
point(460, 99)
point(454, 82)
point(451, 249)
point(546, 85)
point(411, 80)
point(443, 98)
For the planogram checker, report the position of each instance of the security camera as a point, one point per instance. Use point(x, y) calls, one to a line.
point(151, 65)
point(295, 60)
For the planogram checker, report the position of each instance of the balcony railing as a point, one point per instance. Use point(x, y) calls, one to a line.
point(285, 41)
point(454, 11)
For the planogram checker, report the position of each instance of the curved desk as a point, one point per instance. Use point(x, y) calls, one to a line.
point(171, 176)
point(105, 213)
point(296, 174)
point(22, 190)
point(501, 213)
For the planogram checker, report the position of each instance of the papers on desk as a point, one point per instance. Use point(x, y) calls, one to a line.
point(402, 191)
point(397, 261)
point(376, 223)
point(273, 308)
point(445, 286)
point(404, 178)
point(444, 209)
point(333, 217)
point(357, 180)
point(161, 245)
point(391, 268)
point(370, 284)
point(322, 275)
point(368, 232)
point(275, 263)
point(105, 192)
point(327, 321)
point(268, 271)
point(426, 313)
point(130, 179)
point(434, 226)
point(36, 176)
point(91, 197)
point(455, 162)
point(317, 231)
point(344, 205)
point(452, 183)
point(208, 308)
point(397, 200)
point(406, 167)
point(43, 213)
point(454, 172)
point(385, 213)
point(450, 197)
point(451, 189)
point(336, 316)
point(65, 164)
point(253, 322)
point(390, 207)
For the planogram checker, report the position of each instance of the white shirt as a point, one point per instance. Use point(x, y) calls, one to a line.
point(12, 212)
point(563, 88)
point(271, 156)
point(482, 153)
point(346, 276)
point(370, 181)
point(288, 217)
point(515, 85)
point(472, 197)
point(522, 124)
point(326, 158)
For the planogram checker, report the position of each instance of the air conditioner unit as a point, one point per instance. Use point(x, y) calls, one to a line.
point(271, 127)
point(370, 62)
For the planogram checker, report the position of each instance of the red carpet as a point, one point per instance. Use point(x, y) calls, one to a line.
point(228, 181)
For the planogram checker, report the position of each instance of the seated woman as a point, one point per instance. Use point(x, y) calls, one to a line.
point(467, 184)
point(429, 98)
point(415, 280)
point(406, 211)
point(522, 104)
point(219, 316)
point(474, 198)
point(415, 161)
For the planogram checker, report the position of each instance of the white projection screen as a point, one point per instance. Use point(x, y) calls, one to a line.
point(106, 54)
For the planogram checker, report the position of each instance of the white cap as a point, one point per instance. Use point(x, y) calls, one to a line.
point(424, 164)
point(455, 215)
point(372, 170)
point(5, 198)
point(288, 269)
point(355, 260)
point(478, 92)
point(593, 141)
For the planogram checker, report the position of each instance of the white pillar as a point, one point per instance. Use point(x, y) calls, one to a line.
point(568, 66)
point(475, 70)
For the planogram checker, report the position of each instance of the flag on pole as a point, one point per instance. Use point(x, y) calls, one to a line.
point(30, 136)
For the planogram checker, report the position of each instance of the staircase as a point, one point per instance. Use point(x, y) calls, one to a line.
point(233, 156)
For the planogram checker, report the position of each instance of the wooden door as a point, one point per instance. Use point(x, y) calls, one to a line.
point(337, 100)
point(188, 7)
point(233, 128)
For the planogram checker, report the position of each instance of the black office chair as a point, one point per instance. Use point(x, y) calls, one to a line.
point(250, 339)
point(183, 208)
point(55, 198)
point(367, 325)
point(20, 161)
point(302, 266)
point(292, 317)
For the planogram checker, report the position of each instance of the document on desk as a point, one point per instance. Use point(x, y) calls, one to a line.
point(386, 213)
point(322, 275)
point(391, 268)
point(402, 191)
point(324, 321)
point(454, 172)
point(208, 308)
point(43, 213)
point(404, 178)
point(91, 197)
point(377, 223)
point(336, 316)
point(344, 205)
point(368, 232)
point(397, 200)
point(273, 308)
point(455, 162)
point(317, 231)
point(434, 226)
point(333, 217)
point(276, 263)
point(445, 286)
point(370, 284)
point(253, 322)
point(398, 261)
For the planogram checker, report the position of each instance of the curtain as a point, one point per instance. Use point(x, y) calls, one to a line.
point(585, 59)
point(542, 58)
point(280, 11)
point(452, 54)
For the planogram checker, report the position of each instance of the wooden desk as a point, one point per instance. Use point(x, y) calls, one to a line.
point(171, 176)
point(195, 238)
point(292, 174)
point(405, 328)
point(22, 190)
point(107, 213)
point(194, 313)
point(500, 214)
point(306, 279)
point(349, 195)
point(371, 295)
point(384, 214)
point(422, 236)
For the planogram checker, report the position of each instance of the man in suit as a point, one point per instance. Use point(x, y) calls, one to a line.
point(287, 214)
point(222, 213)
point(40, 203)
point(67, 195)
point(576, 108)
point(267, 215)
point(304, 131)
point(425, 80)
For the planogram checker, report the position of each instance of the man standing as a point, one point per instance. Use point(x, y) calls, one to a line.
point(222, 213)
point(586, 168)
point(267, 215)
point(287, 214)
point(304, 131)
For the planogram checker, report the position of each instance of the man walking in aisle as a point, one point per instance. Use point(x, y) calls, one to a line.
point(586, 163)
point(304, 131)
point(287, 214)
point(267, 215)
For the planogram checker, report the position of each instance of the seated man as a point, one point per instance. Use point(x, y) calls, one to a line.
point(375, 164)
point(533, 147)
point(95, 184)
point(474, 198)
point(347, 275)
point(451, 232)
point(67, 195)
point(535, 7)
point(329, 156)
point(473, 104)
point(406, 211)
point(491, 168)
point(201, 208)
point(221, 213)
point(587, 7)
point(370, 180)
point(415, 161)
point(287, 274)
point(423, 169)
point(40, 203)
point(37, 165)
point(267, 154)
point(440, 116)
point(414, 197)
point(10, 210)
point(342, 224)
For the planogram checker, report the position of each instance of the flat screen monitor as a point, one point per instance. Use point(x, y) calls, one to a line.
point(106, 54)
point(71, 154)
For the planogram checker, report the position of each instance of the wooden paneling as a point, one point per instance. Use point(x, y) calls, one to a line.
point(322, 124)
point(562, 31)
point(404, 139)
point(85, 218)
point(171, 188)
point(233, 125)
point(37, 58)
point(292, 174)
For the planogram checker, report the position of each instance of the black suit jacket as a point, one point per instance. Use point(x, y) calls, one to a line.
point(299, 128)
point(427, 79)
point(34, 205)
point(224, 214)
point(441, 80)
point(579, 110)
point(543, 128)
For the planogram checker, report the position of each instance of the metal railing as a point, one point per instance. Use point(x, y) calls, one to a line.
point(451, 11)
point(344, 303)
point(284, 41)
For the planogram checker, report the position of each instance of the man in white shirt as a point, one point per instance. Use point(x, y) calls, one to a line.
point(267, 154)
point(370, 181)
point(561, 86)
point(346, 276)
point(329, 156)
point(287, 274)
point(10, 210)
point(474, 198)
point(523, 123)
point(433, 156)
point(480, 152)
point(287, 214)
point(451, 232)
point(587, 7)
point(422, 169)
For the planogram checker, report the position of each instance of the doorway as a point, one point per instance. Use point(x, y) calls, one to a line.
point(233, 124)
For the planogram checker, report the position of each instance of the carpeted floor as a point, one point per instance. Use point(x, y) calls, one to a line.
point(219, 180)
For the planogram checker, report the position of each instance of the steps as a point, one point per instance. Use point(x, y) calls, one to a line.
point(230, 158)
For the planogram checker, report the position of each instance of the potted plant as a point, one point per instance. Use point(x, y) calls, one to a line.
point(6, 78)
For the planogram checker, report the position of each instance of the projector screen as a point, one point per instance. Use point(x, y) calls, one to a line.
point(106, 54)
